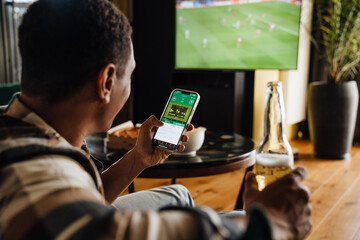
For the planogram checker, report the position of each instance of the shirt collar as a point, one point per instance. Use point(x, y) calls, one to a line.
point(20, 110)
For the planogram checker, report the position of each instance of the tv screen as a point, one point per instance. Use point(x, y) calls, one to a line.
point(237, 34)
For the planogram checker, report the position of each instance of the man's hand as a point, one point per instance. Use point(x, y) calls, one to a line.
point(145, 152)
point(285, 202)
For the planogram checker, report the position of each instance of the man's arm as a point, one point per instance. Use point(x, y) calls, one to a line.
point(118, 177)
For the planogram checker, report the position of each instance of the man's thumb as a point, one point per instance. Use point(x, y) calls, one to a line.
point(151, 122)
point(156, 122)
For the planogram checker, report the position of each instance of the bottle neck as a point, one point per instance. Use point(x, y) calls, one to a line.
point(274, 119)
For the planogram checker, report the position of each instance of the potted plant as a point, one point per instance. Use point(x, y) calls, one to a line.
point(333, 102)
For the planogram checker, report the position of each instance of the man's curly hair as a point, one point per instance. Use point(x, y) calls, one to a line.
point(65, 43)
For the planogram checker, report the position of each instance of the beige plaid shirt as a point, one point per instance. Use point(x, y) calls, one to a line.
point(53, 197)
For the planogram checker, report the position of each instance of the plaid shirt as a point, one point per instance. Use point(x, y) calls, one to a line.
point(52, 196)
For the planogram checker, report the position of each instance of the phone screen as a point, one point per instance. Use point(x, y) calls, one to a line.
point(175, 117)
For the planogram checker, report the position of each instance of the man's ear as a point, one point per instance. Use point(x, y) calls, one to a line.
point(105, 82)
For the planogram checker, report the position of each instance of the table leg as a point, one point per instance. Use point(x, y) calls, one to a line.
point(173, 181)
point(131, 187)
point(240, 202)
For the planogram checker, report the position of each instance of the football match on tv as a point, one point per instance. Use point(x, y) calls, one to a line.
point(240, 34)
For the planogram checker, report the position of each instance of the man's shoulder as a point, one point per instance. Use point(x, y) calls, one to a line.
point(45, 188)
point(46, 174)
point(32, 150)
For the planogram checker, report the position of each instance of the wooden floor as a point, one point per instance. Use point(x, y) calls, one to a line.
point(334, 184)
point(218, 192)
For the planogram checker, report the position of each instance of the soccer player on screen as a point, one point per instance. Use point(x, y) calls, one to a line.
point(205, 41)
point(243, 25)
point(182, 20)
point(271, 26)
point(187, 33)
point(238, 42)
point(236, 25)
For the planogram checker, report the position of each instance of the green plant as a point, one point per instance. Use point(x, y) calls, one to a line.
point(337, 37)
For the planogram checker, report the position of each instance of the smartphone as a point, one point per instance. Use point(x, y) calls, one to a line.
point(177, 114)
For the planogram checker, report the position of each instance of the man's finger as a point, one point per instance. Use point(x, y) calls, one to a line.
point(303, 222)
point(152, 122)
point(156, 122)
point(303, 229)
point(299, 193)
point(185, 138)
point(299, 173)
point(181, 148)
point(308, 210)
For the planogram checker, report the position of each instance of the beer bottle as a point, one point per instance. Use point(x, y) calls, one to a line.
point(274, 157)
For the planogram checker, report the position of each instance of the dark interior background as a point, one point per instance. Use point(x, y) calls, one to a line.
point(226, 97)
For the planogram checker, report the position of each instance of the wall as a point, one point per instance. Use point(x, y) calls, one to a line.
point(155, 77)
point(126, 112)
point(295, 82)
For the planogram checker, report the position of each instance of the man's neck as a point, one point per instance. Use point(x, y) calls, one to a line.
point(71, 119)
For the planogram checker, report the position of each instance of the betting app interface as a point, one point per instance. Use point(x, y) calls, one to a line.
point(175, 117)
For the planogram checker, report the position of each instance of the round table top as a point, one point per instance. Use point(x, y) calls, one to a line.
point(218, 148)
point(221, 152)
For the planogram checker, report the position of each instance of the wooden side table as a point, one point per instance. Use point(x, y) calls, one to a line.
point(221, 152)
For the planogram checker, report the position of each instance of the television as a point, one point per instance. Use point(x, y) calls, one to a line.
point(237, 34)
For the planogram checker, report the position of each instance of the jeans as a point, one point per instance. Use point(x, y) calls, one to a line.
point(156, 198)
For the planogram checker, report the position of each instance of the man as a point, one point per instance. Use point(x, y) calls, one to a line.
point(205, 41)
point(77, 62)
point(187, 33)
point(238, 42)
point(271, 26)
